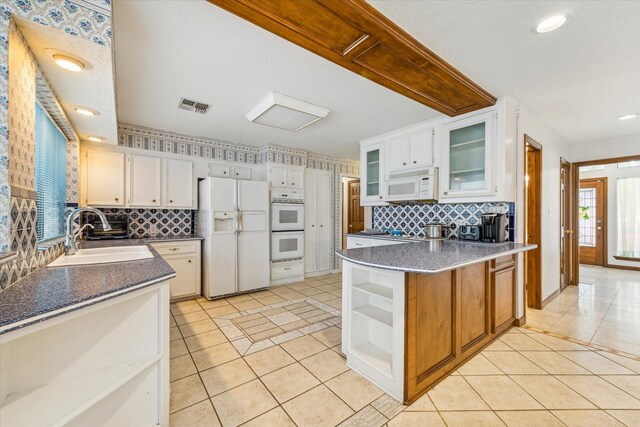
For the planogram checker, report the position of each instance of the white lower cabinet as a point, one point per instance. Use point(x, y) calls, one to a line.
point(102, 364)
point(373, 325)
point(184, 257)
point(317, 222)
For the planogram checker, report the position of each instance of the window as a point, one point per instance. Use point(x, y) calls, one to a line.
point(51, 176)
point(628, 195)
point(631, 164)
point(592, 168)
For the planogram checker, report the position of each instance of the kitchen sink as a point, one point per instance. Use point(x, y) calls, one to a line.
point(103, 256)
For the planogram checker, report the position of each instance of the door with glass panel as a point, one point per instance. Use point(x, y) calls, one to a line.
point(468, 157)
point(592, 201)
point(372, 174)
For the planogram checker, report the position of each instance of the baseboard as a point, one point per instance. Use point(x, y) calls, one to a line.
point(622, 267)
point(520, 321)
point(550, 298)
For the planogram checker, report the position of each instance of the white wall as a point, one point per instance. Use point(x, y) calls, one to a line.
point(619, 147)
point(612, 173)
point(553, 148)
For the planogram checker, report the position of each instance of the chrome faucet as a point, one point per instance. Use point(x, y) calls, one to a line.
point(70, 244)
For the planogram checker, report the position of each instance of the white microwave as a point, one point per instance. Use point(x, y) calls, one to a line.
point(419, 185)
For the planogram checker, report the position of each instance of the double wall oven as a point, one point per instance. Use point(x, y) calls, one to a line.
point(287, 224)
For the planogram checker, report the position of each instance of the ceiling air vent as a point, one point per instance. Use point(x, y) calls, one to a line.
point(190, 105)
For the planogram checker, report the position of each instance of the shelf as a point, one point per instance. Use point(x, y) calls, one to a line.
point(374, 356)
point(462, 144)
point(373, 182)
point(375, 313)
point(376, 162)
point(375, 290)
point(59, 402)
point(466, 171)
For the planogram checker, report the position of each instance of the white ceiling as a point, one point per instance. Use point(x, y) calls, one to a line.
point(578, 79)
point(166, 50)
point(92, 88)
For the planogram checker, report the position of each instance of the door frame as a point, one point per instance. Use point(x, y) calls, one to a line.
point(575, 167)
point(340, 242)
point(605, 229)
point(533, 291)
point(568, 223)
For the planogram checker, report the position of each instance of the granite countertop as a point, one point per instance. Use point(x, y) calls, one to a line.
point(430, 256)
point(50, 292)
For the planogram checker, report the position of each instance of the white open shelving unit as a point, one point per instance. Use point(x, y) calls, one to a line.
point(103, 364)
point(373, 325)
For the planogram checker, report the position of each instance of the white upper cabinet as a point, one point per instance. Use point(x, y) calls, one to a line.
point(145, 181)
point(105, 178)
point(372, 173)
point(178, 184)
point(468, 157)
point(283, 176)
point(411, 149)
point(241, 172)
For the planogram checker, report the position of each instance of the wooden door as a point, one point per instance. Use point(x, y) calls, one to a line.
point(533, 223)
point(356, 212)
point(566, 233)
point(591, 220)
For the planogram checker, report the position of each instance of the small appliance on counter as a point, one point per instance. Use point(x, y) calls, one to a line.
point(119, 226)
point(392, 232)
point(469, 232)
point(494, 227)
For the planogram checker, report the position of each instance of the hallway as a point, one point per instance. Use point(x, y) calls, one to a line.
point(603, 310)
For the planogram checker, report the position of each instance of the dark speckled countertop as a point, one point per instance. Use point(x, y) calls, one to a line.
point(430, 256)
point(50, 292)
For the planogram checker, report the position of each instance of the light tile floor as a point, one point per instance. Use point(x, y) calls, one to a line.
point(603, 310)
point(219, 376)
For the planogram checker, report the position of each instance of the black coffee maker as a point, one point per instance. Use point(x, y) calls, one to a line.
point(494, 227)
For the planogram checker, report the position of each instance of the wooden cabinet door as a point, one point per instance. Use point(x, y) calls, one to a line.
point(105, 178)
point(474, 304)
point(279, 176)
point(399, 153)
point(144, 181)
point(503, 284)
point(178, 178)
point(421, 148)
point(185, 283)
point(295, 178)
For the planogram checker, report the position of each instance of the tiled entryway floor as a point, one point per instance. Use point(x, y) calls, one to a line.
point(604, 310)
point(221, 377)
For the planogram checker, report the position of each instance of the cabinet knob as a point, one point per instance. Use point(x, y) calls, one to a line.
point(117, 199)
point(224, 173)
point(446, 192)
point(282, 182)
point(414, 162)
point(380, 197)
point(313, 225)
point(170, 201)
point(189, 261)
point(321, 225)
point(237, 174)
point(154, 200)
point(404, 164)
point(293, 183)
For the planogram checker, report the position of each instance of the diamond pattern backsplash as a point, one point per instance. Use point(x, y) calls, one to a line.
point(411, 218)
point(158, 222)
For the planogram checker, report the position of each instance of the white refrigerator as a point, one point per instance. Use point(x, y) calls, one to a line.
point(233, 218)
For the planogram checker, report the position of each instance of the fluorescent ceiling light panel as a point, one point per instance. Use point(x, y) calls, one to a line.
point(283, 112)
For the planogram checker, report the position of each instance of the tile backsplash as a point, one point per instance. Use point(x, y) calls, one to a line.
point(411, 218)
point(158, 222)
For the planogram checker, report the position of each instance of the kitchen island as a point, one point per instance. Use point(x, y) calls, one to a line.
point(414, 312)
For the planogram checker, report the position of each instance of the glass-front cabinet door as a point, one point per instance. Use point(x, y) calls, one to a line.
point(372, 174)
point(468, 157)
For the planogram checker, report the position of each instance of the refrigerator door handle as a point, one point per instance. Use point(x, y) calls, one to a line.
point(239, 221)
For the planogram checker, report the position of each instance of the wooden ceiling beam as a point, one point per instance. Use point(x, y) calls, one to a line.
point(354, 35)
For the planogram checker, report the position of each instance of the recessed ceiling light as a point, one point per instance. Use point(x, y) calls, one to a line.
point(94, 138)
point(86, 111)
point(68, 63)
point(283, 112)
point(551, 23)
point(628, 116)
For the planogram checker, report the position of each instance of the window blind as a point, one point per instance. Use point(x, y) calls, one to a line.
point(51, 176)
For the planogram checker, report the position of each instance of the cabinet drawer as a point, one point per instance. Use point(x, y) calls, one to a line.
point(358, 242)
point(220, 171)
point(503, 262)
point(175, 248)
point(239, 172)
point(286, 269)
